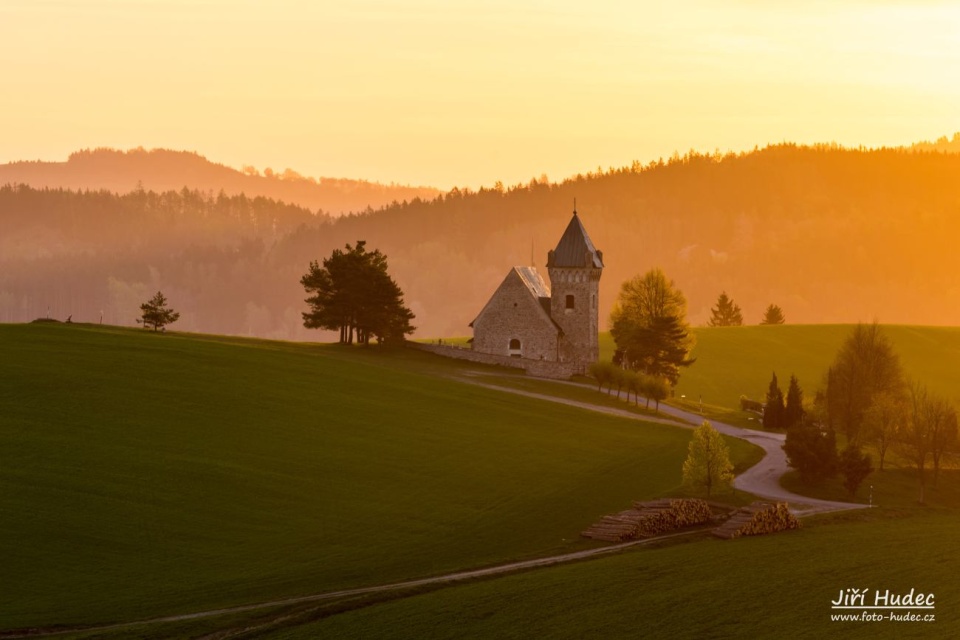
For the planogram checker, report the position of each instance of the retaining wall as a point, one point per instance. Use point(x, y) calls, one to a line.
point(538, 368)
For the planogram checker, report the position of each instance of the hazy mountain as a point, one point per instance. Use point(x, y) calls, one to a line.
point(828, 234)
point(164, 170)
point(942, 144)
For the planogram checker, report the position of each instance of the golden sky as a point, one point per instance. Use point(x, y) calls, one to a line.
point(449, 92)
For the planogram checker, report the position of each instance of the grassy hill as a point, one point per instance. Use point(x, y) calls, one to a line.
point(152, 474)
point(771, 587)
point(735, 361)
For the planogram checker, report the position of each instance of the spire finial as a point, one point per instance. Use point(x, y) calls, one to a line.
point(574, 206)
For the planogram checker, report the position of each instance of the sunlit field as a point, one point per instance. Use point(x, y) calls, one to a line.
point(735, 361)
point(153, 474)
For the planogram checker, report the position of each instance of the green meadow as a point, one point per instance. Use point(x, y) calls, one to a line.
point(148, 475)
point(777, 586)
point(735, 361)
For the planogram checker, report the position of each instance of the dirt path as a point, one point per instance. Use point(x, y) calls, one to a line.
point(762, 479)
point(449, 578)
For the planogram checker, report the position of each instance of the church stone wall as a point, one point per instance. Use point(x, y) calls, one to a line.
point(538, 368)
point(514, 313)
point(580, 340)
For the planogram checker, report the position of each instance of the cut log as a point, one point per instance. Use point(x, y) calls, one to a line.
point(648, 519)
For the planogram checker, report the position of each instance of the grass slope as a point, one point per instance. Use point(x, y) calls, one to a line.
point(146, 474)
point(768, 587)
point(735, 361)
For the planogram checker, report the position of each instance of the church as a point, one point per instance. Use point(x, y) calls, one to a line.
point(526, 318)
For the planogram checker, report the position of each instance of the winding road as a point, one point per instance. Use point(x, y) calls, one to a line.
point(762, 479)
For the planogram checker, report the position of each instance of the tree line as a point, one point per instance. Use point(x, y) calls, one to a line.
point(870, 401)
point(727, 313)
point(706, 219)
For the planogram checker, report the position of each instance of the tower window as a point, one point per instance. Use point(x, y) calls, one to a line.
point(514, 349)
point(570, 304)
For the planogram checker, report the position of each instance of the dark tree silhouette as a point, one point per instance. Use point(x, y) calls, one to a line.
point(773, 315)
point(726, 314)
point(812, 453)
point(354, 294)
point(855, 466)
point(865, 366)
point(793, 411)
point(156, 315)
point(773, 408)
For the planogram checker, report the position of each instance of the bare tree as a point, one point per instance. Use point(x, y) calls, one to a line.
point(917, 436)
point(883, 418)
point(943, 430)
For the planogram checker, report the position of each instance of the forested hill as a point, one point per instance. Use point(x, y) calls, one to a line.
point(164, 170)
point(828, 234)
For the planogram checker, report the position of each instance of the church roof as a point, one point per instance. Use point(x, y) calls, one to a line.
point(575, 248)
point(535, 285)
point(534, 281)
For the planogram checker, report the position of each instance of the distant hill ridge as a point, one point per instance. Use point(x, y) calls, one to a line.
point(831, 235)
point(165, 170)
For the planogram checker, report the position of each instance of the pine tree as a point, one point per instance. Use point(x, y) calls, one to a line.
point(773, 315)
point(812, 453)
point(773, 408)
point(354, 294)
point(726, 314)
point(793, 411)
point(855, 466)
point(156, 314)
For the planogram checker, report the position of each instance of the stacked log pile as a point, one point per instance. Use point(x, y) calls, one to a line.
point(647, 519)
point(759, 518)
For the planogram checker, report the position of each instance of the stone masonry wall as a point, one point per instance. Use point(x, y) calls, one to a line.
point(538, 368)
point(579, 324)
point(514, 313)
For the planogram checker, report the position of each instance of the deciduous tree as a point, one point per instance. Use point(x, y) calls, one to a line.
point(602, 372)
point(929, 431)
point(656, 389)
point(865, 365)
point(943, 430)
point(633, 385)
point(649, 326)
point(708, 460)
point(883, 419)
point(915, 436)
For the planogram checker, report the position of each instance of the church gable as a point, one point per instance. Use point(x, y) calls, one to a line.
point(516, 320)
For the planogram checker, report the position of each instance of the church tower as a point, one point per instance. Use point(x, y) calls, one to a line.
point(574, 268)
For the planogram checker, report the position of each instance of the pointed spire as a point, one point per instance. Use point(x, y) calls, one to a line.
point(575, 248)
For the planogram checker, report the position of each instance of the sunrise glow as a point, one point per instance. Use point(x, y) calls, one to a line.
point(468, 93)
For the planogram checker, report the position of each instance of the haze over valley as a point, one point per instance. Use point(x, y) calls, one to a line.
point(827, 233)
